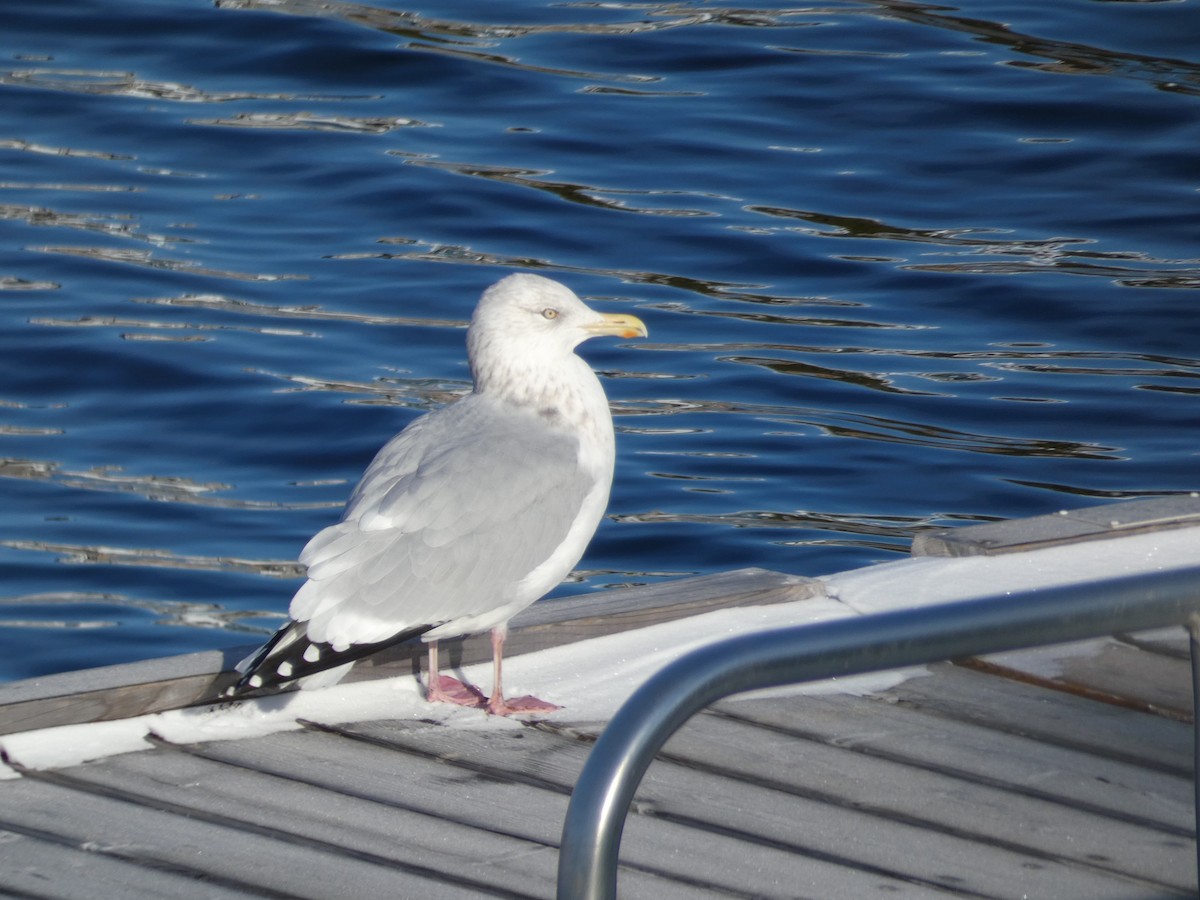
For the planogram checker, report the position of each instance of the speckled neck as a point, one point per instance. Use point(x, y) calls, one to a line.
point(568, 394)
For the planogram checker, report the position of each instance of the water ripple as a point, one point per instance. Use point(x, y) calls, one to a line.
point(316, 313)
point(132, 556)
point(1068, 255)
point(604, 198)
point(36, 611)
point(51, 150)
point(148, 260)
point(903, 265)
point(164, 488)
point(1061, 57)
point(312, 122)
point(122, 225)
point(127, 84)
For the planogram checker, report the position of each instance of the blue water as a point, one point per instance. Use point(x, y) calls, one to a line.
point(902, 265)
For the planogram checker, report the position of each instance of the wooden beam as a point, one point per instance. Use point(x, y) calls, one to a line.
point(119, 692)
point(1065, 527)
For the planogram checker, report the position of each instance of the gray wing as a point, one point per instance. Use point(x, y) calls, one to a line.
point(449, 517)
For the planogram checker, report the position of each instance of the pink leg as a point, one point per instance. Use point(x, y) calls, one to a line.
point(443, 688)
point(497, 705)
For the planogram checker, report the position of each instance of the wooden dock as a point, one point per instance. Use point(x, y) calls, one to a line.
point(1040, 774)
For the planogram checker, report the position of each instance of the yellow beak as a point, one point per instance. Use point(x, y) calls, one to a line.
point(618, 324)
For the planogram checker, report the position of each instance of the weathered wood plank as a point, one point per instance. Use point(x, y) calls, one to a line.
point(258, 862)
point(939, 801)
point(1065, 527)
point(31, 867)
point(466, 789)
point(879, 726)
point(1054, 717)
point(1172, 641)
point(356, 825)
point(770, 811)
point(110, 692)
point(1108, 670)
point(117, 692)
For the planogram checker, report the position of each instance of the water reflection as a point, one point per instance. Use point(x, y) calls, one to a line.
point(877, 428)
point(808, 370)
point(9, 283)
point(154, 326)
point(306, 311)
point(147, 259)
point(1050, 55)
point(772, 318)
point(79, 554)
point(861, 426)
point(126, 84)
point(121, 225)
point(604, 198)
point(32, 147)
point(409, 393)
point(163, 488)
point(1072, 256)
point(312, 122)
point(1064, 57)
point(460, 254)
point(76, 610)
point(868, 531)
point(414, 25)
point(1092, 493)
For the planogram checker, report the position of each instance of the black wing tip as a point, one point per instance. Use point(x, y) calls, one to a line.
point(275, 667)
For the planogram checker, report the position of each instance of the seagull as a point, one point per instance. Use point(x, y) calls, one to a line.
point(468, 515)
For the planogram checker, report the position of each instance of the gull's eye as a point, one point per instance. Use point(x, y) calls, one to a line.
point(549, 313)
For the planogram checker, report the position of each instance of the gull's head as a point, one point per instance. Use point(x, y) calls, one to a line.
point(534, 320)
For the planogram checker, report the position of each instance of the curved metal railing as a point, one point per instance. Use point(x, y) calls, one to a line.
point(591, 835)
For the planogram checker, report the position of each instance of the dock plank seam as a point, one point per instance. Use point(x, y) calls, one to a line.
point(159, 804)
point(198, 751)
point(988, 667)
point(710, 827)
point(706, 826)
point(144, 861)
point(938, 882)
point(493, 773)
point(506, 775)
point(902, 818)
point(942, 710)
point(1137, 641)
point(958, 774)
point(579, 733)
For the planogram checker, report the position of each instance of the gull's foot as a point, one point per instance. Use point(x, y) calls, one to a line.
point(450, 690)
point(498, 706)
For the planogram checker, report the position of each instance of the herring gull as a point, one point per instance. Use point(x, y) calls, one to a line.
point(469, 514)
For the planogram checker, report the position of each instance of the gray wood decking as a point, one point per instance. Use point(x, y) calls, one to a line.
point(961, 783)
point(984, 778)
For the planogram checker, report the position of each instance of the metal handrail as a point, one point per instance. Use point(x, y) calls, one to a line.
point(591, 837)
